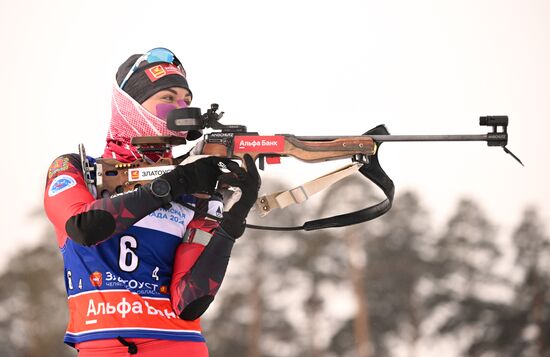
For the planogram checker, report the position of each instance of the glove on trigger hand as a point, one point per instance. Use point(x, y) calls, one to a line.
point(249, 182)
point(199, 176)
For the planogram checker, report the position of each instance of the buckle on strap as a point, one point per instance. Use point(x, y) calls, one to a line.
point(298, 194)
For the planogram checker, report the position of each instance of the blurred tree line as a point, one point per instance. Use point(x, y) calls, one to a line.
point(390, 287)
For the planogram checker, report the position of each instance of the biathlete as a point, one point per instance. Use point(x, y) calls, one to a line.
point(140, 267)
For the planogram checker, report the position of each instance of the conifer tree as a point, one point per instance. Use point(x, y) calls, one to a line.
point(33, 302)
point(466, 284)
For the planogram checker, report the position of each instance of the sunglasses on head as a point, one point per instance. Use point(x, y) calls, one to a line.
point(159, 54)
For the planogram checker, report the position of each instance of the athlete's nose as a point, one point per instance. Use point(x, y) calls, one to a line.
point(182, 104)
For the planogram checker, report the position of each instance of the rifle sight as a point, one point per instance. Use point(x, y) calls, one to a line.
point(191, 119)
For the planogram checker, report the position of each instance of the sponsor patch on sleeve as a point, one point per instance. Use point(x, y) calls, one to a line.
point(61, 183)
point(60, 164)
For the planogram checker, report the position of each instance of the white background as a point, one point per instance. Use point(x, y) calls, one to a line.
point(301, 67)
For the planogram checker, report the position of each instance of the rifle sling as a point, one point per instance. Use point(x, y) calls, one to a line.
point(299, 194)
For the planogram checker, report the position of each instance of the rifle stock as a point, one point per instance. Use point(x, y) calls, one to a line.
point(235, 146)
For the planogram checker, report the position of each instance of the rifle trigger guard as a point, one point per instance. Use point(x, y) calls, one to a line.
point(360, 158)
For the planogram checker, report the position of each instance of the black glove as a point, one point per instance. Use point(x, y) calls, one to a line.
point(196, 177)
point(249, 182)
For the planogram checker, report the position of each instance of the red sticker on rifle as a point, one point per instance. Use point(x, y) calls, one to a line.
point(265, 144)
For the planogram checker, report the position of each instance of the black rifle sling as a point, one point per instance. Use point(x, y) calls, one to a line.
point(374, 172)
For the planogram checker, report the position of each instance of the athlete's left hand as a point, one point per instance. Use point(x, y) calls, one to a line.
point(249, 182)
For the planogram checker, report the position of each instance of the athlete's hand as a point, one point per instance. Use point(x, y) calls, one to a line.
point(249, 182)
point(199, 176)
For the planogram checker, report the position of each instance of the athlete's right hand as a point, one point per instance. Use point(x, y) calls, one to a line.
point(199, 176)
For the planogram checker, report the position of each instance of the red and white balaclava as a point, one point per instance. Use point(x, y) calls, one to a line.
point(129, 119)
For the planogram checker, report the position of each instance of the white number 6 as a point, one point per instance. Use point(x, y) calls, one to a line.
point(127, 259)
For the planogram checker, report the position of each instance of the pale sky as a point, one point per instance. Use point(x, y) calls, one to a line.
point(301, 67)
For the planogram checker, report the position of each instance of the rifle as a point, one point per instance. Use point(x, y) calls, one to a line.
point(234, 141)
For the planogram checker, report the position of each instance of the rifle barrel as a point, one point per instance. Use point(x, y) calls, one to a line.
point(382, 138)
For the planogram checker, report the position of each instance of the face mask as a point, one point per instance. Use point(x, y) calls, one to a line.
point(163, 109)
point(129, 119)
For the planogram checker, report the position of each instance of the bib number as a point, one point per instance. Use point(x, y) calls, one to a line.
point(127, 259)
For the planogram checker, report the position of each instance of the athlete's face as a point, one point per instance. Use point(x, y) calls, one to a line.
point(164, 101)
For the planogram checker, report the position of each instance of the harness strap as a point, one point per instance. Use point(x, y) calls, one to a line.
point(132, 347)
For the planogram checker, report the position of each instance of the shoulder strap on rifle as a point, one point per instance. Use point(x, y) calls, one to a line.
point(299, 194)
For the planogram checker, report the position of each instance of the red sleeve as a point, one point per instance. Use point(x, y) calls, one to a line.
point(186, 256)
point(66, 194)
point(198, 274)
point(76, 214)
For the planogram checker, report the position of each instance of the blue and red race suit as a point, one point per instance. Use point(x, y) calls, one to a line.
point(128, 272)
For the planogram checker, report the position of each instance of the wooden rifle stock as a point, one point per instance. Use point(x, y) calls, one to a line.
point(236, 145)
